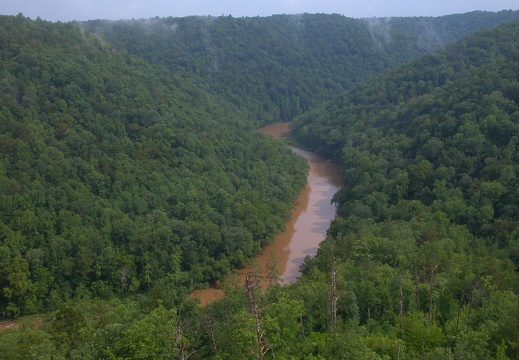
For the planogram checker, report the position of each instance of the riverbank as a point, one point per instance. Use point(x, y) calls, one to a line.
point(309, 220)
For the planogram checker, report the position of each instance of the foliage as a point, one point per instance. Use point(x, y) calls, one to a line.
point(279, 67)
point(428, 212)
point(119, 177)
point(127, 169)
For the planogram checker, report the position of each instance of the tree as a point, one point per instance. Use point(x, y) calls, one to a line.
point(154, 336)
point(27, 342)
point(251, 287)
point(20, 291)
point(67, 328)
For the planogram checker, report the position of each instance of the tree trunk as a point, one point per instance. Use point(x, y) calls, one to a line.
point(253, 309)
point(401, 304)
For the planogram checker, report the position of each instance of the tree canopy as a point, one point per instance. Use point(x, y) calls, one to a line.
point(118, 175)
point(426, 237)
point(131, 172)
point(280, 66)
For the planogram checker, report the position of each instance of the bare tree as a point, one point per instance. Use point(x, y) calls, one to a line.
point(432, 269)
point(212, 333)
point(124, 277)
point(251, 284)
point(181, 344)
point(401, 303)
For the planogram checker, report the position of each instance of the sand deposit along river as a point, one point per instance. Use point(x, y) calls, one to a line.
point(310, 218)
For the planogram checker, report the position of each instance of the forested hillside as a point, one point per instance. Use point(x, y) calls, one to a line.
point(427, 242)
point(280, 66)
point(118, 176)
point(131, 172)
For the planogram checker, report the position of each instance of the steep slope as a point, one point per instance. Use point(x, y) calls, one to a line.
point(428, 231)
point(280, 66)
point(455, 110)
point(117, 176)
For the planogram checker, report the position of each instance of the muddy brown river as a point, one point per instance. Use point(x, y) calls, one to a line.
point(310, 218)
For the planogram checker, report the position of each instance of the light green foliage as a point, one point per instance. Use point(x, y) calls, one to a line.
point(419, 335)
point(235, 336)
point(67, 328)
point(152, 337)
point(26, 343)
point(283, 323)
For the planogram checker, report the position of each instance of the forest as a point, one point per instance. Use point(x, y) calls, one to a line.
point(279, 67)
point(131, 173)
point(116, 180)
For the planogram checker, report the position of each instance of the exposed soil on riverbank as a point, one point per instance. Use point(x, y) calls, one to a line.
point(310, 218)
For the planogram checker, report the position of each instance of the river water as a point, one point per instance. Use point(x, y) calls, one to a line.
point(309, 220)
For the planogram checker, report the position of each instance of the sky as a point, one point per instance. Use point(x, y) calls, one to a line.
point(69, 10)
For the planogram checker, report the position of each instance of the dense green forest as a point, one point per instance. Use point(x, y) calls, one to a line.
point(280, 66)
point(428, 232)
point(118, 176)
point(129, 176)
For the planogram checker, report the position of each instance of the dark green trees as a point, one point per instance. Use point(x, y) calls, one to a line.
point(428, 211)
point(119, 176)
point(278, 67)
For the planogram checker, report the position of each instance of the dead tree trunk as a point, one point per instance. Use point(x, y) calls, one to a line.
point(334, 297)
point(212, 334)
point(400, 318)
point(250, 286)
point(401, 304)
point(182, 347)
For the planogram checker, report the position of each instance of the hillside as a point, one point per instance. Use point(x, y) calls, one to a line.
point(428, 230)
point(454, 110)
point(118, 176)
point(278, 67)
point(131, 172)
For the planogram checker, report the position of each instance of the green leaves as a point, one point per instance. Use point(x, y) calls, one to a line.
point(428, 205)
point(19, 291)
point(152, 337)
point(112, 166)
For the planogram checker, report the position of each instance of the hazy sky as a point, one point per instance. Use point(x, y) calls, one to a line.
point(67, 10)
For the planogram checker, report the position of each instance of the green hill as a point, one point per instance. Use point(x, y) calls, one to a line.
point(280, 66)
point(117, 175)
point(428, 230)
point(131, 172)
point(454, 110)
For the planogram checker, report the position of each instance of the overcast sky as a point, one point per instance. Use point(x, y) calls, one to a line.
point(67, 10)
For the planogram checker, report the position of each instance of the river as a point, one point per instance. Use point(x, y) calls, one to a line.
point(309, 220)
